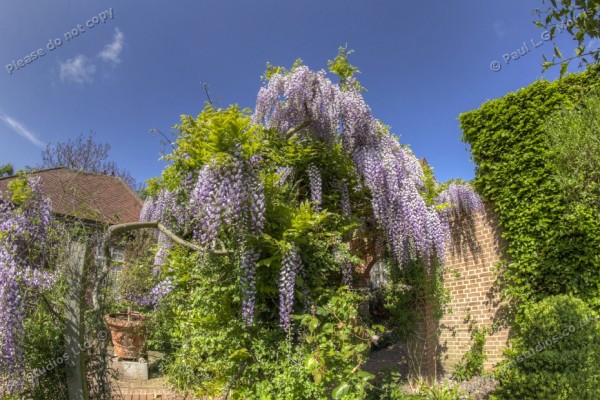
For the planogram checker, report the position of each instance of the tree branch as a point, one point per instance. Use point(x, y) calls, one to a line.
point(132, 226)
point(298, 128)
point(50, 308)
point(207, 93)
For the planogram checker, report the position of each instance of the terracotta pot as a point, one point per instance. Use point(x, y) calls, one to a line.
point(128, 333)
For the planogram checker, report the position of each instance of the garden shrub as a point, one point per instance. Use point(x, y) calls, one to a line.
point(574, 137)
point(45, 354)
point(552, 243)
point(556, 354)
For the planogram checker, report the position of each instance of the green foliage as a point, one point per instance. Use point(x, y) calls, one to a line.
point(471, 364)
point(581, 19)
point(276, 69)
point(551, 249)
point(199, 322)
point(328, 354)
point(210, 138)
point(574, 138)
point(556, 354)
point(408, 289)
point(211, 351)
point(19, 189)
point(339, 341)
point(45, 354)
point(341, 67)
point(6, 170)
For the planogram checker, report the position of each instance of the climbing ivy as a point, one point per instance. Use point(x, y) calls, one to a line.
point(550, 249)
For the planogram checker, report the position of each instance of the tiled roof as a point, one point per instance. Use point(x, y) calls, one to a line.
point(101, 198)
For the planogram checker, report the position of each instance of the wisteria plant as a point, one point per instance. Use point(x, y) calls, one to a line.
point(25, 221)
point(275, 202)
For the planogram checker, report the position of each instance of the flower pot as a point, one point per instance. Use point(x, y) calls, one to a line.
point(128, 333)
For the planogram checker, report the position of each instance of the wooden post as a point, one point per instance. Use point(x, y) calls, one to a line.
point(76, 259)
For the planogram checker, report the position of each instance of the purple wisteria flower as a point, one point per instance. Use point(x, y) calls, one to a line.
point(390, 171)
point(228, 195)
point(248, 263)
point(460, 198)
point(291, 265)
point(316, 186)
point(155, 295)
point(169, 211)
point(24, 246)
point(345, 204)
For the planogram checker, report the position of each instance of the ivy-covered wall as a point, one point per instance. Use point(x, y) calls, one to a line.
point(551, 248)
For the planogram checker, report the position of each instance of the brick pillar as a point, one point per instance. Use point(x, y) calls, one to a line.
point(470, 278)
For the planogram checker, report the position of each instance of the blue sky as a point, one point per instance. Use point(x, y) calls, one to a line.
point(134, 66)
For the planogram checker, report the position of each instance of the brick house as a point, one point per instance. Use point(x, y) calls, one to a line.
point(96, 200)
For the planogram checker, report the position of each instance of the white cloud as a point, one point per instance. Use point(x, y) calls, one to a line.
point(78, 70)
point(112, 50)
point(500, 29)
point(17, 127)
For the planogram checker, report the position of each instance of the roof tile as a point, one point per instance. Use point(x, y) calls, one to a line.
point(101, 198)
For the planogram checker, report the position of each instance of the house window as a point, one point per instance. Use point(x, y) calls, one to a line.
point(377, 275)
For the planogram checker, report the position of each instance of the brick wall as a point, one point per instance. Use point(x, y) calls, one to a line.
point(469, 276)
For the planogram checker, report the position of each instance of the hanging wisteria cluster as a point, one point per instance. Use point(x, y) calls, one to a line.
point(345, 204)
point(228, 196)
point(391, 172)
point(23, 253)
point(291, 266)
point(460, 199)
point(316, 186)
point(165, 209)
point(249, 259)
point(155, 295)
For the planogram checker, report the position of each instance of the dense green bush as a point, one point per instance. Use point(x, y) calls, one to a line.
point(212, 351)
point(556, 354)
point(553, 245)
point(574, 138)
point(45, 354)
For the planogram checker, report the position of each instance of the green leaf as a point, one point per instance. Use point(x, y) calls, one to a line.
point(563, 69)
point(313, 323)
point(311, 363)
point(341, 390)
point(557, 52)
point(240, 354)
point(365, 375)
